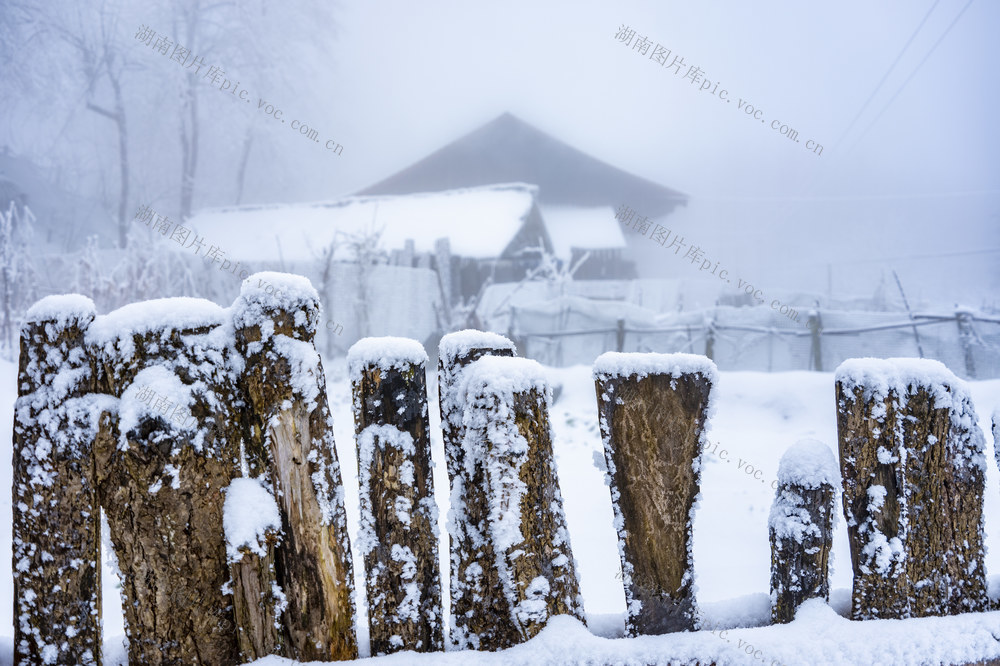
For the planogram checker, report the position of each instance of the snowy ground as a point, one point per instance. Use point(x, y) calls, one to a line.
point(759, 415)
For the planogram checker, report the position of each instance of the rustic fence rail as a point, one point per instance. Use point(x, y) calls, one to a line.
point(973, 340)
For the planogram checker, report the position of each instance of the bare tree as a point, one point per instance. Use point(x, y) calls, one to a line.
point(363, 247)
point(16, 269)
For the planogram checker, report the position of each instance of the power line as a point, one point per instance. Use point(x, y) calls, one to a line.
point(912, 74)
point(917, 256)
point(886, 75)
point(846, 197)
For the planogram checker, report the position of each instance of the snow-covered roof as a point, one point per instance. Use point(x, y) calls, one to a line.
point(480, 223)
point(582, 227)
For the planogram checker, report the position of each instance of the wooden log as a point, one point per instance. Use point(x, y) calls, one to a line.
point(653, 412)
point(476, 601)
point(507, 434)
point(252, 525)
point(913, 466)
point(162, 468)
point(399, 534)
point(290, 442)
point(56, 531)
point(800, 527)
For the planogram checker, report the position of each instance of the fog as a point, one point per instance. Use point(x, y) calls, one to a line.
point(906, 177)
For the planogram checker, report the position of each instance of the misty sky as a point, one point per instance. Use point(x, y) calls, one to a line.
point(923, 179)
point(403, 79)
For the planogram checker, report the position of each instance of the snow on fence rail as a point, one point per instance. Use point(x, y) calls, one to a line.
point(231, 534)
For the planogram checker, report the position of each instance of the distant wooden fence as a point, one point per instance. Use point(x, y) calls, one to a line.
point(229, 526)
point(974, 341)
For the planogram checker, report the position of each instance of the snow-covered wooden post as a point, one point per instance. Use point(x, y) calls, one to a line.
point(913, 466)
point(291, 443)
point(475, 588)
point(252, 525)
point(654, 409)
point(162, 468)
point(56, 533)
point(507, 434)
point(801, 527)
point(398, 537)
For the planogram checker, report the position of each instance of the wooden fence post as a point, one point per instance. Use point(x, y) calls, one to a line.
point(913, 466)
point(399, 534)
point(800, 527)
point(476, 602)
point(815, 349)
point(620, 335)
point(56, 532)
point(653, 411)
point(162, 466)
point(966, 334)
point(507, 434)
point(710, 340)
point(291, 441)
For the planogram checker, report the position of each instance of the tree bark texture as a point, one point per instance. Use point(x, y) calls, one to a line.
point(256, 604)
point(508, 437)
point(161, 484)
point(652, 425)
point(913, 467)
point(290, 441)
point(56, 531)
point(800, 561)
point(475, 588)
point(398, 512)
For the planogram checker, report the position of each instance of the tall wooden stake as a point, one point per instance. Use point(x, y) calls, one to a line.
point(653, 412)
point(56, 533)
point(398, 512)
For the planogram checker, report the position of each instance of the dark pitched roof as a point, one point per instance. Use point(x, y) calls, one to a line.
point(510, 150)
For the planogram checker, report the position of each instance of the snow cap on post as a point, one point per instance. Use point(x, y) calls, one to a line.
point(624, 364)
point(162, 314)
point(384, 353)
point(503, 376)
point(809, 463)
point(265, 294)
point(455, 345)
point(64, 310)
point(879, 376)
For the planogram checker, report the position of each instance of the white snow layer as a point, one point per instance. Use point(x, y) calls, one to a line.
point(460, 343)
point(161, 314)
point(248, 514)
point(817, 636)
point(624, 364)
point(153, 391)
point(478, 221)
point(385, 353)
point(502, 376)
point(583, 228)
point(64, 309)
point(878, 376)
point(809, 463)
point(287, 289)
point(266, 291)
